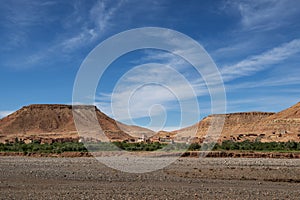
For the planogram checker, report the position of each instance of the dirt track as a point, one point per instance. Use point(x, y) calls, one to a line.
point(188, 178)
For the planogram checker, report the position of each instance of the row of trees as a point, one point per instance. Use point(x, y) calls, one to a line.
point(35, 146)
point(258, 146)
point(57, 147)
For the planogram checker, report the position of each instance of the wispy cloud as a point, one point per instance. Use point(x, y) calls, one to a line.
point(4, 113)
point(127, 96)
point(271, 103)
point(70, 44)
point(264, 14)
point(101, 14)
point(18, 18)
point(77, 30)
point(99, 21)
point(26, 13)
point(279, 80)
point(257, 63)
point(144, 86)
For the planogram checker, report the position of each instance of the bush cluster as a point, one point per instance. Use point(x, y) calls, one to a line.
point(258, 146)
point(19, 146)
point(35, 146)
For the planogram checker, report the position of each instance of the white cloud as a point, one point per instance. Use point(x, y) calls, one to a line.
point(4, 113)
point(151, 90)
point(139, 100)
point(26, 13)
point(275, 102)
point(265, 14)
point(77, 41)
point(257, 63)
point(18, 19)
point(81, 27)
point(279, 80)
point(99, 21)
point(102, 15)
point(130, 101)
point(170, 88)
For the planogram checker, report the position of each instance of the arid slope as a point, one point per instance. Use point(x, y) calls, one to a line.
point(55, 121)
point(264, 126)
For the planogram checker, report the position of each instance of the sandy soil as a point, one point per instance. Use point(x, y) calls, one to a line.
point(187, 178)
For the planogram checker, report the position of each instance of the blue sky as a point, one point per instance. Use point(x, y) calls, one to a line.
point(255, 45)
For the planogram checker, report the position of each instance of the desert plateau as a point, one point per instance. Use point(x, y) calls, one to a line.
point(151, 99)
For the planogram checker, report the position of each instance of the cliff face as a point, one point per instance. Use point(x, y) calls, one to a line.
point(52, 121)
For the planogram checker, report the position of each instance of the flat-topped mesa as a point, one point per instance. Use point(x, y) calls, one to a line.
point(242, 117)
point(56, 121)
point(43, 106)
point(51, 121)
point(254, 113)
point(224, 125)
point(57, 106)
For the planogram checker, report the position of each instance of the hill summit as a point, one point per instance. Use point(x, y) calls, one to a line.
point(55, 122)
point(254, 126)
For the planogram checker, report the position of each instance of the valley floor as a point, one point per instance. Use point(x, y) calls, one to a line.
point(187, 178)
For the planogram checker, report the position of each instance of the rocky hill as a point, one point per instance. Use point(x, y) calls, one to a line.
point(282, 126)
point(135, 131)
point(55, 122)
point(262, 126)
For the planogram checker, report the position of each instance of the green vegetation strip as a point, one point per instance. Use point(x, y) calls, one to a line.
point(259, 146)
point(56, 147)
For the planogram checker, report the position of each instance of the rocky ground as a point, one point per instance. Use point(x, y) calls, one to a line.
point(187, 178)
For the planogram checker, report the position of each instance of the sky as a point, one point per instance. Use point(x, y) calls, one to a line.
point(254, 44)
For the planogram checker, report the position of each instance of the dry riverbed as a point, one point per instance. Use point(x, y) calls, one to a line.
point(187, 178)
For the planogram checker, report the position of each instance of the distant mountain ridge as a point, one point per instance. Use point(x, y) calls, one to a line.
point(55, 122)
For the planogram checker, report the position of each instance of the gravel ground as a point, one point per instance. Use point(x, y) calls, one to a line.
point(187, 178)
